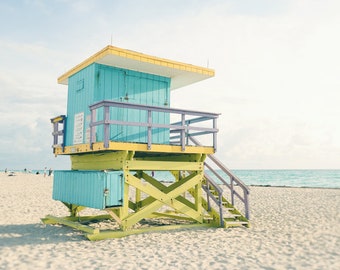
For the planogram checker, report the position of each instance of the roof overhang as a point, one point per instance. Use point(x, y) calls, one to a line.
point(181, 74)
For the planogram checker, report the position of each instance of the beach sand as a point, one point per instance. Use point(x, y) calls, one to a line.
point(291, 228)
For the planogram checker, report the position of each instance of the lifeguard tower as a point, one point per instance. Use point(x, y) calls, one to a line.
point(123, 137)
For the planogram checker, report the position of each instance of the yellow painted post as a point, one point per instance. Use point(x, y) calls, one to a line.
point(198, 193)
point(176, 174)
point(125, 208)
point(138, 199)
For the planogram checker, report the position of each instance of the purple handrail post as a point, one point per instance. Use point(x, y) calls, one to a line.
point(215, 134)
point(149, 129)
point(232, 190)
point(106, 125)
point(92, 128)
point(246, 203)
point(183, 131)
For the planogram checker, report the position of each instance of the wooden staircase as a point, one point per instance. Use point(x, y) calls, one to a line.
point(220, 209)
point(221, 198)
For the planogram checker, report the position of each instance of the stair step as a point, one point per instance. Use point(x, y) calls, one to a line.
point(233, 218)
point(235, 223)
point(234, 215)
point(226, 203)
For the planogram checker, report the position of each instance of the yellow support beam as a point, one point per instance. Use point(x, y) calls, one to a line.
point(100, 161)
point(163, 165)
point(64, 221)
point(118, 234)
point(174, 157)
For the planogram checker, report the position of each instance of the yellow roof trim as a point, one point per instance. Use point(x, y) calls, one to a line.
point(181, 74)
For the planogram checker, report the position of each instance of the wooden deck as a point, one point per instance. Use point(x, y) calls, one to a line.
point(129, 146)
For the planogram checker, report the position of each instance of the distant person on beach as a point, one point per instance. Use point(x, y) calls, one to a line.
point(45, 171)
point(50, 172)
point(6, 170)
point(11, 174)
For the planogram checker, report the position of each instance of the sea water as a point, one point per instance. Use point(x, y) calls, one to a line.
point(291, 178)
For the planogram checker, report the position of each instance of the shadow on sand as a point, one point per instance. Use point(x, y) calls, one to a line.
point(28, 234)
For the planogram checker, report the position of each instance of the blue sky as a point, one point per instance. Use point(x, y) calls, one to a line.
point(276, 85)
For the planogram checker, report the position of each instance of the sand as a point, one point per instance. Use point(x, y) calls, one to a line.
point(292, 228)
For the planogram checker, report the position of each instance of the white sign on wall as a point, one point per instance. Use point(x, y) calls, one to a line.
point(78, 132)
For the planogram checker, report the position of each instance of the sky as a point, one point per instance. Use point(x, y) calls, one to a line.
point(277, 66)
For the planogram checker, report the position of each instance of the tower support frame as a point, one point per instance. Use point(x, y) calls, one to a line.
point(144, 196)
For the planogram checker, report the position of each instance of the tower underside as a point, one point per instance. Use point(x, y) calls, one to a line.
point(144, 202)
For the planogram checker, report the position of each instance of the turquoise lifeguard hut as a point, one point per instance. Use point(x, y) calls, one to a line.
point(123, 135)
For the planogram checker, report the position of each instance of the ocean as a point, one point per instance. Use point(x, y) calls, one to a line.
point(291, 178)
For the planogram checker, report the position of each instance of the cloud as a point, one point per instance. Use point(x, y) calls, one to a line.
point(28, 101)
point(273, 74)
point(276, 62)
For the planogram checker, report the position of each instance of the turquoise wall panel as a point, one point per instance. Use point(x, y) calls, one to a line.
point(92, 189)
point(99, 82)
point(115, 186)
point(138, 88)
point(80, 96)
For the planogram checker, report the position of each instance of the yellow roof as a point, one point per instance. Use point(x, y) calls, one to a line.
point(181, 74)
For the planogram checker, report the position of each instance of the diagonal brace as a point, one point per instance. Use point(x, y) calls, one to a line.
point(168, 198)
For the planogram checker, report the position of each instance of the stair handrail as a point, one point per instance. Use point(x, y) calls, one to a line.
point(233, 178)
point(56, 121)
